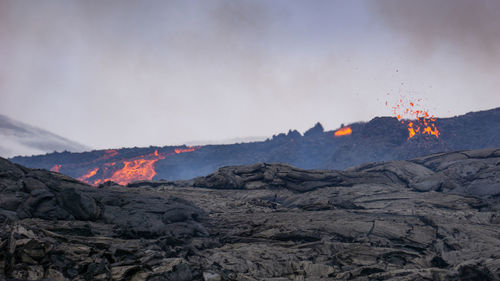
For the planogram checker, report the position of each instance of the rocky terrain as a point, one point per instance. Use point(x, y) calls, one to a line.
point(380, 139)
point(57, 228)
point(430, 218)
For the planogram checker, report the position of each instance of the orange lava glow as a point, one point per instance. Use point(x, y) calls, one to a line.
point(343, 131)
point(422, 124)
point(134, 169)
point(139, 169)
point(88, 175)
point(182, 150)
point(56, 168)
point(411, 131)
point(110, 153)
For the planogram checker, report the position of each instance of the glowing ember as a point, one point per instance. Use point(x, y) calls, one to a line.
point(411, 131)
point(182, 150)
point(343, 131)
point(423, 123)
point(56, 168)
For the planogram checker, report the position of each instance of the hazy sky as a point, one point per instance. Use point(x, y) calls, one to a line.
point(138, 73)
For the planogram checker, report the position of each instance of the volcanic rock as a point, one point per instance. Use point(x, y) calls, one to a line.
point(430, 218)
point(57, 228)
point(316, 130)
point(424, 219)
point(380, 139)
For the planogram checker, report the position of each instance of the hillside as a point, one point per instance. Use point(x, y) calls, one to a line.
point(380, 139)
point(22, 139)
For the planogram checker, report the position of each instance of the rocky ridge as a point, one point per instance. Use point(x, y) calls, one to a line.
point(429, 218)
point(380, 139)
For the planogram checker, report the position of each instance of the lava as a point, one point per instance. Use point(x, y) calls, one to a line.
point(139, 169)
point(126, 170)
point(182, 150)
point(56, 168)
point(343, 131)
point(88, 175)
point(422, 124)
point(411, 130)
point(109, 154)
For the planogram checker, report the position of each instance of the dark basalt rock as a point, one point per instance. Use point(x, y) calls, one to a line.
point(57, 228)
point(81, 206)
point(380, 139)
point(424, 219)
point(281, 176)
point(474, 173)
point(429, 218)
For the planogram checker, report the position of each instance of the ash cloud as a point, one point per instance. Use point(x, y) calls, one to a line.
point(471, 27)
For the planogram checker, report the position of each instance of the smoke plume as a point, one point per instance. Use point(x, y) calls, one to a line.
point(471, 27)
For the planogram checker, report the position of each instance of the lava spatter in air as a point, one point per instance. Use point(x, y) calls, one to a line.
point(418, 120)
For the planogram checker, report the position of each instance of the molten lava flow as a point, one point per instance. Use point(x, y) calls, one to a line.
point(182, 150)
point(88, 175)
point(423, 123)
point(343, 131)
point(127, 170)
point(56, 168)
point(139, 169)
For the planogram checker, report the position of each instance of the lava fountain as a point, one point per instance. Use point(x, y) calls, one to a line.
point(418, 121)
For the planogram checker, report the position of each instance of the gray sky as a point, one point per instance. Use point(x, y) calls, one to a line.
point(126, 73)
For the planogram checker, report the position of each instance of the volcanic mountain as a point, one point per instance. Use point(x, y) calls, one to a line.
point(22, 139)
point(380, 139)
